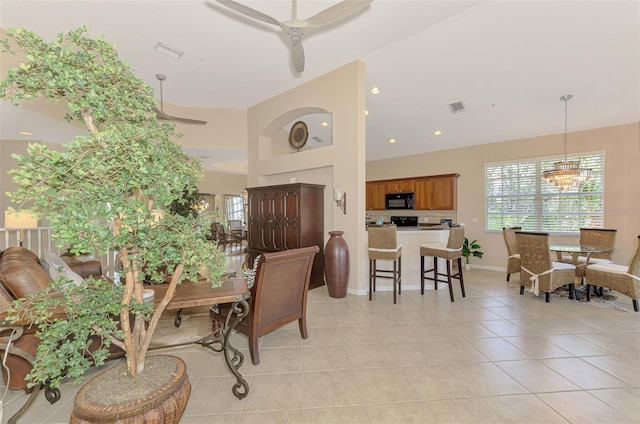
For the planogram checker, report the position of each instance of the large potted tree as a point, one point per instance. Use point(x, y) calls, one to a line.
point(117, 188)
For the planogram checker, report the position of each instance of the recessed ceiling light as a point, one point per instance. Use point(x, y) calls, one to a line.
point(366, 113)
point(374, 90)
point(324, 124)
point(437, 132)
point(25, 133)
point(392, 140)
point(168, 50)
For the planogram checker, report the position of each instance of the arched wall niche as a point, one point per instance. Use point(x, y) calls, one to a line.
point(274, 139)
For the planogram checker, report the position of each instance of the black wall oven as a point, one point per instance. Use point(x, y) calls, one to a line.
point(399, 201)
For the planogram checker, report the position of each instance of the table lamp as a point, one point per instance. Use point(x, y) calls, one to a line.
point(20, 219)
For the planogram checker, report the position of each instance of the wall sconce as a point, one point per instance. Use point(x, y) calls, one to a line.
point(341, 199)
point(20, 219)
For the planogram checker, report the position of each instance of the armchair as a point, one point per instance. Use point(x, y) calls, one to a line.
point(278, 296)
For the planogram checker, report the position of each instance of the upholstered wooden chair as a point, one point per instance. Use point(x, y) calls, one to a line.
point(537, 270)
point(278, 296)
point(513, 258)
point(383, 246)
point(620, 278)
point(450, 251)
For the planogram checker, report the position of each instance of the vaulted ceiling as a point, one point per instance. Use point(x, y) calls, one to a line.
point(508, 62)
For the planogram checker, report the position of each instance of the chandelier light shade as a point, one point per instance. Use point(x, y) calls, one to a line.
point(566, 174)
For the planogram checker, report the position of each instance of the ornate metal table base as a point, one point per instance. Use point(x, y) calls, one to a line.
point(218, 341)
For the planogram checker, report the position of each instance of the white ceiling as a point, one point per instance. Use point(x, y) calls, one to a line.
point(509, 62)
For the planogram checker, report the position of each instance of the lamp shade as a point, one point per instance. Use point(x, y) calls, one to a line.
point(20, 219)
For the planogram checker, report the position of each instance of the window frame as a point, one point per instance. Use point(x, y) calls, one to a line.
point(508, 204)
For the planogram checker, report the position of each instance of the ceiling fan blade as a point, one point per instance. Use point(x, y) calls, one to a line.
point(336, 12)
point(297, 52)
point(161, 116)
point(245, 10)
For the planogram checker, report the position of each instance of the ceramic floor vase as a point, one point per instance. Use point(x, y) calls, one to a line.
point(336, 264)
point(163, 406)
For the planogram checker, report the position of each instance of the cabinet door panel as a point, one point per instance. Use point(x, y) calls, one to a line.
point(443, 193)
point(422, 198)
point(375, 196)
point(277, 220)
point(258, 213)
point(402, 186)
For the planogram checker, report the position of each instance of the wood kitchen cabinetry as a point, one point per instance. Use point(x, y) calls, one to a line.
point(285, 217)
point(399, 186)
point(436, 193)
point(375, 195)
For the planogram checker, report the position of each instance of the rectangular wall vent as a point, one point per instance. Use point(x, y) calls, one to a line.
point(456, 107)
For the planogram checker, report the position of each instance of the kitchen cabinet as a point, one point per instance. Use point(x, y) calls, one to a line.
point(439, 192)
point(376, 191)
point(399, 186)
point(285, 217)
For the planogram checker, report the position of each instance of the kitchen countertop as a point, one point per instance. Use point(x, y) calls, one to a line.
point(421, 228)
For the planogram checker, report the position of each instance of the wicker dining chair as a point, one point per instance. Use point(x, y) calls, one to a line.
point(449, 252)
point(513, 260)
point(383, 245)
point(620, 278)
point(598, 237)
point(537, 270)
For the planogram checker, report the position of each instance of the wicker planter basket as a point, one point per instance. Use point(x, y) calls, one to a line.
point(163, 406)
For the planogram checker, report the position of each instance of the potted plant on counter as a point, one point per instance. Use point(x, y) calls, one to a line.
point(470, 249)
point(108, 190)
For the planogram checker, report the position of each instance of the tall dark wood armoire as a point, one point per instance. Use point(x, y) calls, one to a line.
point(284, 217)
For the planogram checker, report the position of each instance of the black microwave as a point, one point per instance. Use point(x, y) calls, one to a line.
point(399, 201)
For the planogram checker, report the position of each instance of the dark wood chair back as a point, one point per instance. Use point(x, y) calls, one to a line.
point(278, 296)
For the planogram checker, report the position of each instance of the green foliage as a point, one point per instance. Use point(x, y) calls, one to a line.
point(187, 205)
point(103, 193)
point(471, 249)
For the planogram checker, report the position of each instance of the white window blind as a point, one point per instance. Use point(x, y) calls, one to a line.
point(234, 207)
point(516, 195)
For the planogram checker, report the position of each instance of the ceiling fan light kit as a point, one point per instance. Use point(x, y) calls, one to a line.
point(161, 115)
point(296, 29)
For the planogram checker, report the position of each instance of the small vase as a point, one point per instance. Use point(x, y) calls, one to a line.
point(336, 264)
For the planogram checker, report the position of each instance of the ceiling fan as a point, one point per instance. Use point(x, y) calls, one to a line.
point(296, 29)
point(162, 116)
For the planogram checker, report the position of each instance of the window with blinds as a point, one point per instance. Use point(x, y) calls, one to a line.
point(233, 207)
point(516, 195)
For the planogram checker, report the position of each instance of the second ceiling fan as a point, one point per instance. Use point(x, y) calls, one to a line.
point(296, 29)
point(163, 116)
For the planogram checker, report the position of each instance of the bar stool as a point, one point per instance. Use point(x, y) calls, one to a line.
point(383, 245)
point(450, 251)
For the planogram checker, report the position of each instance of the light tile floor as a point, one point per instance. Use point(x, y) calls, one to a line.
point(492, 357)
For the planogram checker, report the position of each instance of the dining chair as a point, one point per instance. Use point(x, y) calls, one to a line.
point(604, 237)
point(620, 278)
point(513, 260)
point(383, 245)
point(537, 270)
point(450, 251)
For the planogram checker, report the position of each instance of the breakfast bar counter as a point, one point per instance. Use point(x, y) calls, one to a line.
point(410, 238)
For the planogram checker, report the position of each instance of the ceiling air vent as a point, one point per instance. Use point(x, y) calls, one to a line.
point(456, 107)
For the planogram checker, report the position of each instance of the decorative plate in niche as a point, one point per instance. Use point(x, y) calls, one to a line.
point(298, 135)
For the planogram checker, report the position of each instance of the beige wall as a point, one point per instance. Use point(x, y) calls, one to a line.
point(341, 165)
point(622, 181)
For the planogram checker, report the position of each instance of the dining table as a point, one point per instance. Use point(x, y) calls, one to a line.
point(577, 251)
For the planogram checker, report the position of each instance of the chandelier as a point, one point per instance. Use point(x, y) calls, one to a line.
point(566, 174)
